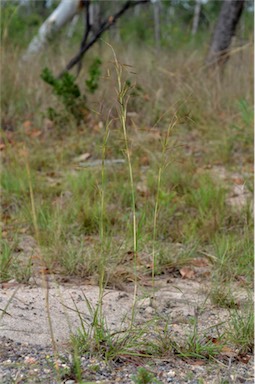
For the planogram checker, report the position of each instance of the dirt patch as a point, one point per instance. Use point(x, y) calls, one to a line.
point(27, 319)
point(25, 331)
point(239, 195)
point(24, 308)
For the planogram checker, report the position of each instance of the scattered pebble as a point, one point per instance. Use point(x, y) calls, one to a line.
point(30, 364)
point(171, 373)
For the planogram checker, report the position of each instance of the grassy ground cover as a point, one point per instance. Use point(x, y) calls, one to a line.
point(142, 185)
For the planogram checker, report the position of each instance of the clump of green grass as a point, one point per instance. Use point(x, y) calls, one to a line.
point(234, 256)
point(222, 296)
point(143, 376)
point(94, 338)
point(11, 265)
point(208, 204)
point(240, 330)
point(14, 181)
point(5, 261)
point(197, 345)
point(197, 348)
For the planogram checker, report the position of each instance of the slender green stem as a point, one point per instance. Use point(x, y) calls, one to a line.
point(123, 116)
point(156, 209)
point(101, 225)
point(45, 279)
point(123, 101)
point(32, 200)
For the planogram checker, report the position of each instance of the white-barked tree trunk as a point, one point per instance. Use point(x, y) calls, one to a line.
point(64, 13)
point(197, 11)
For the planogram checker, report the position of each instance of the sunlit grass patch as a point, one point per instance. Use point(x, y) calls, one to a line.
point(221, 295)
point(11, 264)
point(6, 261)
point(241, 328)
point(234, 256)
point(14, 180)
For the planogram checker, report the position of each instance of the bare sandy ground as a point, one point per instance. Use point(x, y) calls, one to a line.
point(25, 316)
point(24, 319)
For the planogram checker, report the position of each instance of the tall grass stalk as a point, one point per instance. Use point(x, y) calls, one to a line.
point(102, 216)
point(44, 277)
point(123, 98)
point(32, 200)
point(162, 165)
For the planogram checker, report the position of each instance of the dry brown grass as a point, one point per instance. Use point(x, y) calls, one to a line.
point(207, 110)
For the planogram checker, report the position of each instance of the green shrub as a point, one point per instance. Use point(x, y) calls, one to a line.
point(67, 91)
point(94, 75)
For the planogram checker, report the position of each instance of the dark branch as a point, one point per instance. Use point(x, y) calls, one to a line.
point(105, 25)
point(88, 25)
point(86, 32)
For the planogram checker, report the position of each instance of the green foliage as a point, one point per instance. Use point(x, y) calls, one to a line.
point(14, 182)
point(227, 249)
point(246, 111)
point(11, 266)
point(222, 297)
point(243, 129)
point(64, 87)
point(144, 377)
point(198, 347)
point(136, 29)
point(20, 22)
point(96, 339)
point(94, 75)
point(67, 91)
point(241, 329)
point(17, 24)
point(5, 260)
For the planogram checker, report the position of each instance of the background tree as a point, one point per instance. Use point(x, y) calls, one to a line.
point(224, 31)
point(157, 22)
point(197, 11)
point(174, 28)
point(65, 12)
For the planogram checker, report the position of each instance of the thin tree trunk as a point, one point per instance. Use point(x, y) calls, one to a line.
point(157, 31)
point(196, 17)
point(225, 29)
